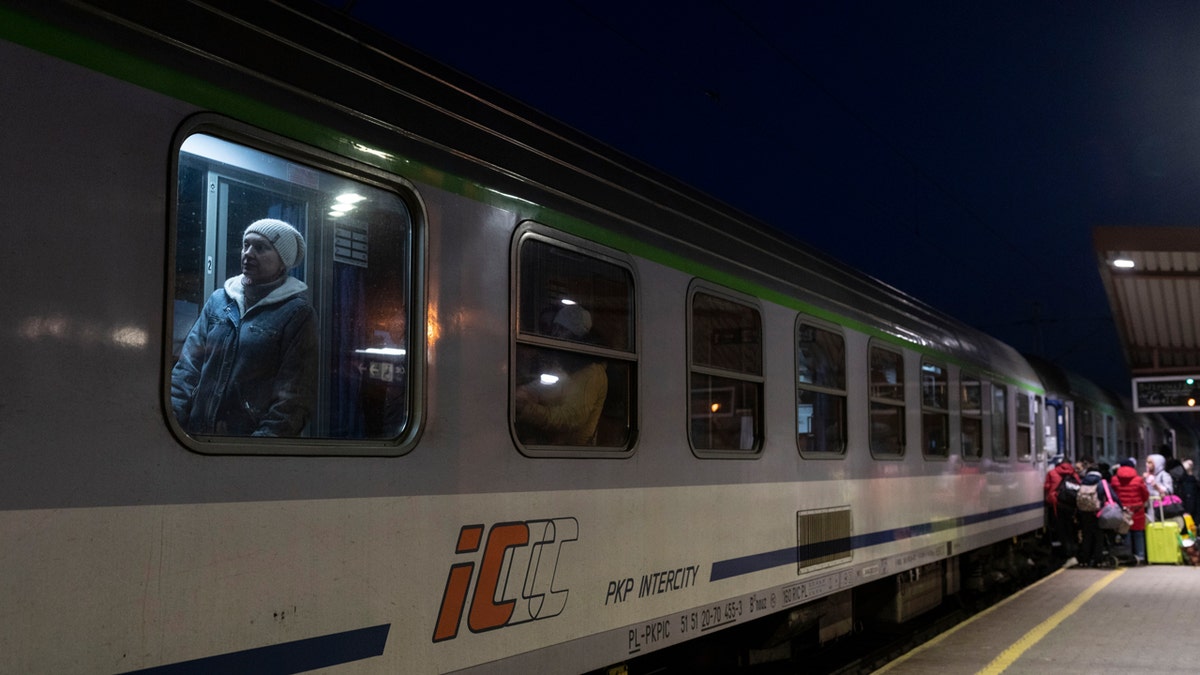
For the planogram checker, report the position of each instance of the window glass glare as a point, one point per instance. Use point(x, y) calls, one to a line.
point(303, 331)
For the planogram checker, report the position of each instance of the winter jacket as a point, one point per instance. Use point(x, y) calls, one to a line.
point(1055, 476)
point(1159, 482)
point(248, 372)
point(1130, 490)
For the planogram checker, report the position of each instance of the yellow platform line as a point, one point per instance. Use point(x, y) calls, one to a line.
point(1006, 658)
point(1028, 640)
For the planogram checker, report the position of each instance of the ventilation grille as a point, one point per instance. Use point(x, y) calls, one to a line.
point(823, 538)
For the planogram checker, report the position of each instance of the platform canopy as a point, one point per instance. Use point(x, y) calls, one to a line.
point(1152, 278)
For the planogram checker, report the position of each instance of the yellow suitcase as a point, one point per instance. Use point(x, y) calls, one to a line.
point(1162, 540)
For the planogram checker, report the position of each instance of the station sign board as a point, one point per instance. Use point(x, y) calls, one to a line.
point(1173, 393)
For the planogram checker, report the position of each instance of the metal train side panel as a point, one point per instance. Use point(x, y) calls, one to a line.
point(625, 570)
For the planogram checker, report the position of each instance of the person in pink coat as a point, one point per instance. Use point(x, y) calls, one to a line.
point(1130, 490)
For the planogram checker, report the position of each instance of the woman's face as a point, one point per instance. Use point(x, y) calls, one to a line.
point(1150, 466)
point(261, 263)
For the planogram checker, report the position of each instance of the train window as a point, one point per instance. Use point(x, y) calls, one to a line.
point(820, 389)
point(935, 410)
point(1113, 431)
point(574, 361)
point(999, 422)
point(293, 289)
point(971, 417)
point(1089, 441)
point(887, 402)
point(725, 377)
point(1025, 414)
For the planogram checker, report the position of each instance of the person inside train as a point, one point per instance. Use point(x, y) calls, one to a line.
point(248, 364)
point(1130, 490)
point(563, 403)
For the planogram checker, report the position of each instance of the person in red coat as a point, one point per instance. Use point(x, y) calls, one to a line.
point(1062, 517)
point(1131, 491)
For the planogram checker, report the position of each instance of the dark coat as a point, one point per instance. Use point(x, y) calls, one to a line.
point(251, 375)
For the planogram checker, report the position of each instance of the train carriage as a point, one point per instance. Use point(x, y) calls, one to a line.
point(777, 431)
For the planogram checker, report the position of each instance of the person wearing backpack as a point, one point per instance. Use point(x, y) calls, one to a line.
point(1062, 508)
point(1087, 503)
point(1131, 491)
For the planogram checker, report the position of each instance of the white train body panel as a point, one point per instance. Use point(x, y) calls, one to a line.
point(122, 549)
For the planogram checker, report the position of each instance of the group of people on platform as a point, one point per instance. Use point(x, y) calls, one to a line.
point(1076, 533)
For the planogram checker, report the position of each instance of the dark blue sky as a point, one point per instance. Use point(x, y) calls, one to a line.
point(959, 151)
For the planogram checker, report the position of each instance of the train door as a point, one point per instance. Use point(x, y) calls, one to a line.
point(1057, 437)
point(357, 268)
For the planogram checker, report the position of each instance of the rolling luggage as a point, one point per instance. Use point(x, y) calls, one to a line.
point(1162, 540)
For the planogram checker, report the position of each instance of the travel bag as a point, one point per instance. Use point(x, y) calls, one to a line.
point(1162, 539)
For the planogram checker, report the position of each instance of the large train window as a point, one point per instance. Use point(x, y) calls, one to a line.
point(292, 303)
point(1025, 417)
point(971, 416)
point(887, 402)
point(820, 389)
point(999, 422)
point(935, 410)
point(574, 358)
point(725, 377)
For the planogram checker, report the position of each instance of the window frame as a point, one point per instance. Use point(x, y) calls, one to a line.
point(900, 404)
point(1026, 426)
point(699, 287)
point(999, 428)
point(928, 411)
point(530, 230)
point(305, 155)
point(965, 379)
point(843, 393)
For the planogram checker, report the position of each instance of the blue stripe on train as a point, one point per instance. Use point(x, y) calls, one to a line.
point(724, 569)
point(286, 658)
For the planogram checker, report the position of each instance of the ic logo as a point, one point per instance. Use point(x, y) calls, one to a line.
point(515, 583)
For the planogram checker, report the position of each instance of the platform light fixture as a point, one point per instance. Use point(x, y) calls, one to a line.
point(1123, 263)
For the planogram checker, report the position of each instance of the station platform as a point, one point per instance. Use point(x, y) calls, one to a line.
point(1078, 620)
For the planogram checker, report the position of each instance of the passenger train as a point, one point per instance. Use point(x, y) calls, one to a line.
point(778, 438)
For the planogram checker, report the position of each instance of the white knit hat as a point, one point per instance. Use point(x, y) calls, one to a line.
point(287, 240)
point(575, 320)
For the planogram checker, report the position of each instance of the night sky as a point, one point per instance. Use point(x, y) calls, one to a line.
point(959, 151)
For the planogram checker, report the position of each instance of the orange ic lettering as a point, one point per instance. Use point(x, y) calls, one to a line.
point(457, 583)
point(486, 613)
